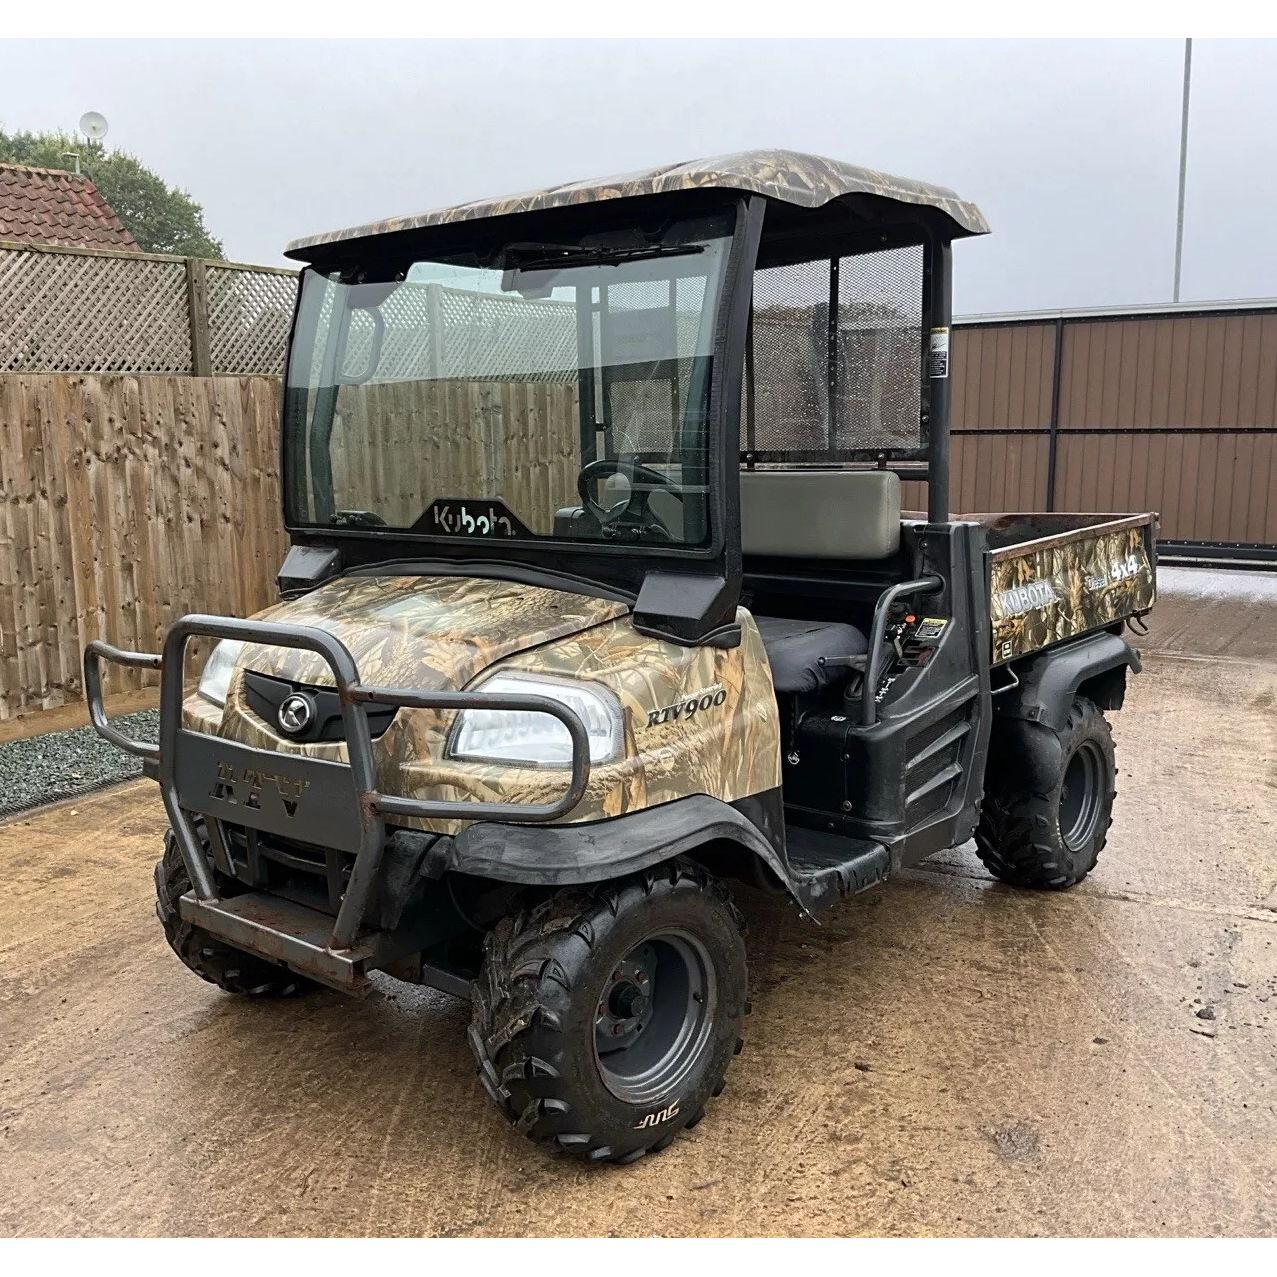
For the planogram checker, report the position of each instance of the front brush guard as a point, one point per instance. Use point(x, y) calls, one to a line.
point(309, 799)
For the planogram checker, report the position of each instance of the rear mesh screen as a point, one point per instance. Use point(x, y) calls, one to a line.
point(850, 390)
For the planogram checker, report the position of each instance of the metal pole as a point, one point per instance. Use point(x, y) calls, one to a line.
point(938, 373)
point(1183, 165)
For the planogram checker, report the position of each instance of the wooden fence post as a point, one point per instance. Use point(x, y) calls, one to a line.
point(197, 307)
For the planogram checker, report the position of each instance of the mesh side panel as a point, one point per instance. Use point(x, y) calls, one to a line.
point(877, 381)
point(791, 340)
point(878, 397)
point(642, 419)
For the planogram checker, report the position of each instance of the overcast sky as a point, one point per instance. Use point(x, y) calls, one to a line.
point(1070, 147)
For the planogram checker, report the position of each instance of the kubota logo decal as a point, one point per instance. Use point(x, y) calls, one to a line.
point(696, 703)
point(655, 1119)
point(1024, 598)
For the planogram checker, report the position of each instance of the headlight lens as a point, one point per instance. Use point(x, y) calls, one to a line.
point(215, 681)
point(505, 736)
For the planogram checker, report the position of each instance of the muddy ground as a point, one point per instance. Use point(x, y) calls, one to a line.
point(943, 1055)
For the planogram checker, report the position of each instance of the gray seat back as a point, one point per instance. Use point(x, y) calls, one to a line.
point(820, 514)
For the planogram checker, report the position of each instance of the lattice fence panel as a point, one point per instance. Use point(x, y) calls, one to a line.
point(433, 332)
point(90, 312)
point(249, 313)
point(493, 335)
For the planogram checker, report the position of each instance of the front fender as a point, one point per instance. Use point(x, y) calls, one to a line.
point(561, 855)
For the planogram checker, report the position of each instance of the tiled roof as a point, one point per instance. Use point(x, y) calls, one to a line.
point(50, 206)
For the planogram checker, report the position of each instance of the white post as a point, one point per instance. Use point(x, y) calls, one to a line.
point(434, 315)
point(1183, 165)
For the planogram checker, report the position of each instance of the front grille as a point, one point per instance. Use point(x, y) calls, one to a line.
point(264, 695)
point(310, 875)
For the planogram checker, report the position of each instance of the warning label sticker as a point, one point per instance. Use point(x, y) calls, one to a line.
point(938, 355)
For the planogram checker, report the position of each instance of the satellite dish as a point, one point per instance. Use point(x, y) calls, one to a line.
point(93, 125)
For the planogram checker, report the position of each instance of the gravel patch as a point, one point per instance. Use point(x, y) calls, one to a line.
point(45, 769)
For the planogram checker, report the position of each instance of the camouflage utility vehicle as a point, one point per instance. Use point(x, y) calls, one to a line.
point(600, 596)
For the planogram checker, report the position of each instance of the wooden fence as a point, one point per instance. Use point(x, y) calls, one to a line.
point(128, 501)
point(396, 446)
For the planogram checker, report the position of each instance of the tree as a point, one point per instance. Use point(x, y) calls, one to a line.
point(161, 218)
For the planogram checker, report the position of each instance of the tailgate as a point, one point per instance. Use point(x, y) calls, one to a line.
point(1051, 588)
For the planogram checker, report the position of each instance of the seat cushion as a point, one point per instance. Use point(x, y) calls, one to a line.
point(794, 649)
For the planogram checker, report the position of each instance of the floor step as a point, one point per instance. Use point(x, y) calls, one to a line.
point(827, 866)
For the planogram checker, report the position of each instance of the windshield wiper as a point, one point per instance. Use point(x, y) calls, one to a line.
point(543, 256)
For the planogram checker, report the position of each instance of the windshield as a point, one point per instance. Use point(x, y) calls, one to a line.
point(543, 389)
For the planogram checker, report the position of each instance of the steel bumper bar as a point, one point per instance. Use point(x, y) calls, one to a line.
point(203, 774)
point(283, 931)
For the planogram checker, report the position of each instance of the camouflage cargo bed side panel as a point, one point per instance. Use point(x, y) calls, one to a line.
point(1044, 591)
point(790, 176)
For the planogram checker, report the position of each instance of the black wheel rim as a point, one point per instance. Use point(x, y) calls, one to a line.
point(653, 1017)
point(1081, 796)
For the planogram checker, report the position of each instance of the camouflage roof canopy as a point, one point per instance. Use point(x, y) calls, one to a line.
point(807, 181)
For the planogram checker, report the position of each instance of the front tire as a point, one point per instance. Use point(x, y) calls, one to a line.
point(605, 1017)
point(1049, 836)
point(232, 970)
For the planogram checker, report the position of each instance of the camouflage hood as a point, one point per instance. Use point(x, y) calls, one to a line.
point(425, 633)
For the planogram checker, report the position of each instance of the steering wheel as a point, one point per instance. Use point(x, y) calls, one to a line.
point(633, 512)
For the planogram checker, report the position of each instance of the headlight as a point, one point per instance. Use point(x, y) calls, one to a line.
point(505, 736)
point(215, 681)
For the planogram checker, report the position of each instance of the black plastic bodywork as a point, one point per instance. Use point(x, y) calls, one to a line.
point(307, 566)
point(896, 759)
point(1095, 665)
point(1030, 715)
point(264, 694)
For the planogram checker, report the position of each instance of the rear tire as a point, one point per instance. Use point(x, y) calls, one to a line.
point(1050, 837)
point(232, 970)
point(606, 1016)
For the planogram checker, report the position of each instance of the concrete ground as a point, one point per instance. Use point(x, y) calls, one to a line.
point(943, 1055)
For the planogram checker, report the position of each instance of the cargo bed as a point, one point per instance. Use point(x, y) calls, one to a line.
point(1052, 577)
